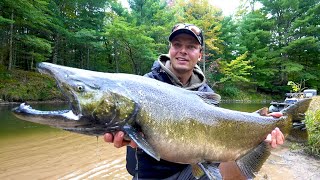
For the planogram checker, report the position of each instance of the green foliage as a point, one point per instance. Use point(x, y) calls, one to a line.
point(312, 122)
point(261, 49)
point(132, 44)
point(5, 21)
point(234, 92)
point(230, 91)
point(296, 87)
point(236, 70)
point(281, 39)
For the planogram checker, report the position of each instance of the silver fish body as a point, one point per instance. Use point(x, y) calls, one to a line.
point(178, 125)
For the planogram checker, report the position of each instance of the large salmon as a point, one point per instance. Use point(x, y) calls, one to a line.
point(178, 125)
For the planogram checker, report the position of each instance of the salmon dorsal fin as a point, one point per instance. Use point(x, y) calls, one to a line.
point(209, 97)
point(251, 162)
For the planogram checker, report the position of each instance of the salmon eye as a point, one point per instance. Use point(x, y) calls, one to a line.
point(80, 88)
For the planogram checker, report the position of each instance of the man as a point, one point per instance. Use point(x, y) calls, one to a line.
point(178, 68)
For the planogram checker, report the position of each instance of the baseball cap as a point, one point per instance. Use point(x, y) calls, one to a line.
point(188, 29)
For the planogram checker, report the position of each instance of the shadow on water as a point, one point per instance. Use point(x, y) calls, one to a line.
point(33, 151)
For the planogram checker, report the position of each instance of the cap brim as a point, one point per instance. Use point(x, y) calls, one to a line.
point(186, 31)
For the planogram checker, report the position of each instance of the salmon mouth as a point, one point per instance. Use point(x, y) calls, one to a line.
point(59, 118)
point(26, 110)
point(61, 77)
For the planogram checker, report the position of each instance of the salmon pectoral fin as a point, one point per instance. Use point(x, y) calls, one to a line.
point(251, 162)
point(211, 170)
point(141, 141)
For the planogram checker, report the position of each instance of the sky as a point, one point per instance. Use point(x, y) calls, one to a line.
point(227, 6)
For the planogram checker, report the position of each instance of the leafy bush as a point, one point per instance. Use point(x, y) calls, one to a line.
point(312, 122)
point(229, 91)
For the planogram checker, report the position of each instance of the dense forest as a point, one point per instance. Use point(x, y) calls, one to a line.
point(260, 48)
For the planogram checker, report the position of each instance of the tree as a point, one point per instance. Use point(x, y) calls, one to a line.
point(295, 38)
point(27, 32)
point(130, 46)
point(236, 71)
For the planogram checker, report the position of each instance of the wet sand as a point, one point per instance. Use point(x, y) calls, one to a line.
point(64, 155)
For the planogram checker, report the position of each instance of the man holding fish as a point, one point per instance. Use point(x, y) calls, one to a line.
point(179, 68)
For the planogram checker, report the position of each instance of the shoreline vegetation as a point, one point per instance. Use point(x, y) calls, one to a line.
point(24, 86)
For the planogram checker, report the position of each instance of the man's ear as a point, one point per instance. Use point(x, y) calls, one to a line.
point(200, 56)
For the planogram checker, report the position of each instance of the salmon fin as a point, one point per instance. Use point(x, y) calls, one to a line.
point(209, 97)
point(251, 162)
point(141, 141)
point(297, 108)
point(211, 170)
point(197, 171)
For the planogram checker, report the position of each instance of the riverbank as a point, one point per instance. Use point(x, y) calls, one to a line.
point(21, 86)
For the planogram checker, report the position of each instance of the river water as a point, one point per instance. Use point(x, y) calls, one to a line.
point(32, 151)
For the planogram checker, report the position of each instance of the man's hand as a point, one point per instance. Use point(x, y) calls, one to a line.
point(275, 114)
point(118, 140)
point(275, 138)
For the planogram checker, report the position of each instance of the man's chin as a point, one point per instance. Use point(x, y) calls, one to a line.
point(183, 69)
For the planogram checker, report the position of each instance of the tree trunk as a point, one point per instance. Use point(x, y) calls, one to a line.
point(88, 58)
point(55, 50)
point(11, 44)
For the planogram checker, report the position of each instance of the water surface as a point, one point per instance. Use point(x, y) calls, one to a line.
point(33, 151)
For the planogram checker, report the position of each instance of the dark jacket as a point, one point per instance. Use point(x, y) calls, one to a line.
point(148, 167)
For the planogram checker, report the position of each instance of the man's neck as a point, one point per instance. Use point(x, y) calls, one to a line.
point(184, 77)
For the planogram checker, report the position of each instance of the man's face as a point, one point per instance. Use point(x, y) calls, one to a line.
point(185, 52)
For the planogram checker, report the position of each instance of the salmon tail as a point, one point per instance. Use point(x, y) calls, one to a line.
point(298, 108)
point(250, 163)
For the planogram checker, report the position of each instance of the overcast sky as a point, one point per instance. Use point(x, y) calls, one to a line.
point(228, 6)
